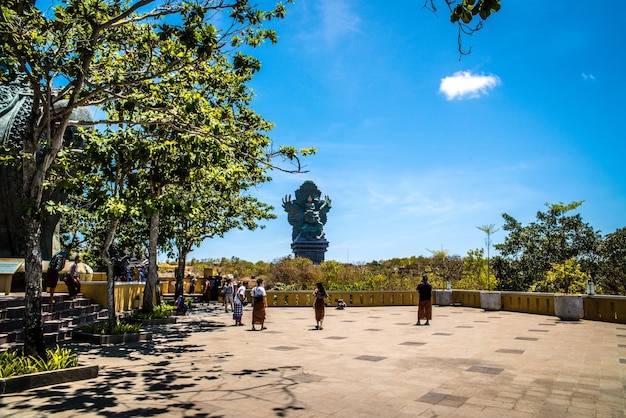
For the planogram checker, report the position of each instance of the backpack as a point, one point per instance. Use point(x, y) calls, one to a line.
point(56, 263)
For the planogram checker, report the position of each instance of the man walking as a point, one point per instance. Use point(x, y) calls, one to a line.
point(425, 309)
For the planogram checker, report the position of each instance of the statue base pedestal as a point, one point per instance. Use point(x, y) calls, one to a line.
point(313, 250)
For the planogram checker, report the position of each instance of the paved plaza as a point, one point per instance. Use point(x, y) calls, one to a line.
point(367, 362)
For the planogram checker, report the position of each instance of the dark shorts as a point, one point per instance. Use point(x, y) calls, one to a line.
point(52, 278)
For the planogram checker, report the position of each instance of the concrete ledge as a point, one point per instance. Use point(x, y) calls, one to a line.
point(131, 337)
point(54, 377)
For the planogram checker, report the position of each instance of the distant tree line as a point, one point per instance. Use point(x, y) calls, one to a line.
point(557, 253)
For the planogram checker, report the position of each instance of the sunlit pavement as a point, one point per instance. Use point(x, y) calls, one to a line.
point(370, 361)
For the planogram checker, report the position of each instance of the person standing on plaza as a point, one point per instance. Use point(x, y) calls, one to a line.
point(192, 282)
point(71, 279)
point(56, 264)
point(259, 303)
point(319, 304)
point(425, 309)
point(228, 295)
point(206, 292)
point(238, 301)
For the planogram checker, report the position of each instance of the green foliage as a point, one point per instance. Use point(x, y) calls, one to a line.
point(170, 78)
point(291, 271)
point(565, 277)
point(103, 328)
point(14, 363)
point(611, 271)
point(467, 9)
point(164, 310)
point(530, 251)
point(397, 274)
point(475, 272)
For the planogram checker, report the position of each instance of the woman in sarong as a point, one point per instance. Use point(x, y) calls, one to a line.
point(206, 292)
point(319, 304)
point(259, 303)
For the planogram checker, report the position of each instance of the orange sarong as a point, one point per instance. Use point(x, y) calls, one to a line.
point(425, 310)
point(319, 309)
point(258, 313)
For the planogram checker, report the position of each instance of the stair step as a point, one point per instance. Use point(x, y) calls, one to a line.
point(59, 320)
point(52, 326)
point(11, 302)
point(11, 324)
point(15, 312)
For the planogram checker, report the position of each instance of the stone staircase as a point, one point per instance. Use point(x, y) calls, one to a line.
point(59, 319)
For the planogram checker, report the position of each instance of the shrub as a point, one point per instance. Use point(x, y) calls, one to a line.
point(164, 310)
point(103, 328)
point(14, 363)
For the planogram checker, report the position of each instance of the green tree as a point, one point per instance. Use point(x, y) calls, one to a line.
point(611, 274)
point(489, 230)
point(530, 251)
point(566, 277)
point(468, 15)
point(474, 271)
point(444, 269)
point(206, 214)
point(82, 54)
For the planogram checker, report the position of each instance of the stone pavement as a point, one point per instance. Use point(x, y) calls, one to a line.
point(367, 362)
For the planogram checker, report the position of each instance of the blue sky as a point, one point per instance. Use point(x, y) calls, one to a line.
point(417, 146)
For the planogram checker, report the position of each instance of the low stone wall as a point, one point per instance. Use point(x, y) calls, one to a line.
point(596, 307)
point(352, 298)
point(125, 293)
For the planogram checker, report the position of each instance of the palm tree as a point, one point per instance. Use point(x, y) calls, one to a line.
point(489, 230)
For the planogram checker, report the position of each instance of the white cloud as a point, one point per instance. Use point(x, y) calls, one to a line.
point(464, 84)
point(588, 76)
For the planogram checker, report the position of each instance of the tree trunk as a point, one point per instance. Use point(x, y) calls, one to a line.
point(179, 272)
point(104, 254)
point(34, 344)
point(153, 274)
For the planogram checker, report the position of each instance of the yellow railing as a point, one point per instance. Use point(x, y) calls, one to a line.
point(124, 293)
point(535, 303)
point(351, 298)
point(597, 308)
point(466, 298)
point(605, 308)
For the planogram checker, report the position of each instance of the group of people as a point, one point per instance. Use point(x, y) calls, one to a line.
point(424, 310)
point(71, 279)
point(236, 297)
